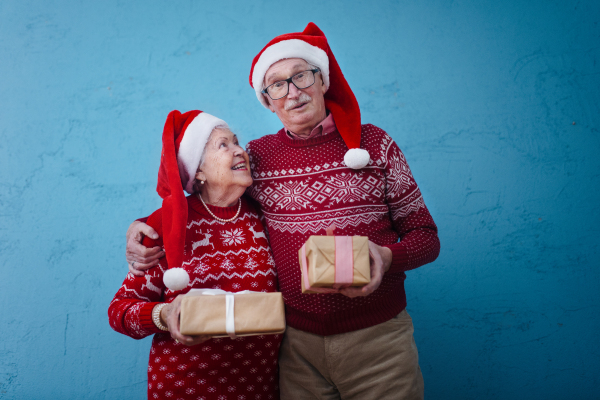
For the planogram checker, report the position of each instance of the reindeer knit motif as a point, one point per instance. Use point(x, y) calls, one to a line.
point(232, 256)
point(303, 187)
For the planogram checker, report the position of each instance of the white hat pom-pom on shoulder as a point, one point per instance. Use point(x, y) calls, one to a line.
point(357, 158)
point(176, 279)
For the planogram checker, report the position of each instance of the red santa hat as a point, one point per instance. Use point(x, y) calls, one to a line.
point(184, 138)
point(311, 45)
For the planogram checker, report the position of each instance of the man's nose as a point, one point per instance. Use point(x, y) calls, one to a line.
point(293, 91)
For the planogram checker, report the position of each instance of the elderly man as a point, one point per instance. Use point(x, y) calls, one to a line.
point(324, 168)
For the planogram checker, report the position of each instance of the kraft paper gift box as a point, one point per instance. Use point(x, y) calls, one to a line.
point(218, 313)
point(332, 262)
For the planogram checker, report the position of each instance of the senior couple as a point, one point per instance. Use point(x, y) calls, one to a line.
point(322, 168)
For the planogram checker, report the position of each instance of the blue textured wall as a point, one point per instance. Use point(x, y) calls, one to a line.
point(495, 104)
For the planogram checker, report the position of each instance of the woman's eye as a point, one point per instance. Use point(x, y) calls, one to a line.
point(223, 145)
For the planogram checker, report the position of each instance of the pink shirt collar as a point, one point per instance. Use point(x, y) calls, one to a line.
point(325, 127)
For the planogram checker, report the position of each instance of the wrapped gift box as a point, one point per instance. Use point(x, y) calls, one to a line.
point(334, 262)
point(208, 312)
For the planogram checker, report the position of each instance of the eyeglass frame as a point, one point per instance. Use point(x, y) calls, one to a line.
point(289, 80)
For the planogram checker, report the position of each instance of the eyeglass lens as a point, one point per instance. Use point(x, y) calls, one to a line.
point(302, 80)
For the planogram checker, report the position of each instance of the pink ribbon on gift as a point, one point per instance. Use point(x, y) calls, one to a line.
point(344, 266)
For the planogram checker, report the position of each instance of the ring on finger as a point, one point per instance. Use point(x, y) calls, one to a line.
point(132, 264)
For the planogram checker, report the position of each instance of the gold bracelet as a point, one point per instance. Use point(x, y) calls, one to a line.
point(156, 316)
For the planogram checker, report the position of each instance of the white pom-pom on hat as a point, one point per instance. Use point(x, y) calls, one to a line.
point(357, 158)
point(176, 279)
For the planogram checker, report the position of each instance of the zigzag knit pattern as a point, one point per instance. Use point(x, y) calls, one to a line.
point(232, 256)
point(303, 187)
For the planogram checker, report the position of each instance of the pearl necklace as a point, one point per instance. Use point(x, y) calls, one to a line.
point(221, 219)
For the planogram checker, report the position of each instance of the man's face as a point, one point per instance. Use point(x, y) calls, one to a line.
point(302, 109)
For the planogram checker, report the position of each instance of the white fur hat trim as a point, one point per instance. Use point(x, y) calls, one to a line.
point(356, 158)
point(292, 48)
point(192, 146)
point(176, 279)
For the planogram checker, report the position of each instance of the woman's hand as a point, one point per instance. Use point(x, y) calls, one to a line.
point(169, 316)
point(139, 257)
point(380, 259)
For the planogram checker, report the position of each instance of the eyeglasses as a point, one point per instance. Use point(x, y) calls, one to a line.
point(301, 80)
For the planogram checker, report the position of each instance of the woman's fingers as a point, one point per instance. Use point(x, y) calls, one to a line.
point(170, 314)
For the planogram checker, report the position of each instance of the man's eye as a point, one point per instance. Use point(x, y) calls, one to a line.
point(278, 85)
point(300, 75)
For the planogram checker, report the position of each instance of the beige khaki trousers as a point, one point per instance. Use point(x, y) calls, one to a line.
point(379, 362)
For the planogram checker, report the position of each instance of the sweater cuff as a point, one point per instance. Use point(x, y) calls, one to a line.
point(146, 317)
point(399, 257)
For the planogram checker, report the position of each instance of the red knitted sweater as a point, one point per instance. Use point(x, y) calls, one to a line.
point(232, 256)
point(303, 187)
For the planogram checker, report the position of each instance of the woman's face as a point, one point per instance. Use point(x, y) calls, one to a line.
point(225, 164)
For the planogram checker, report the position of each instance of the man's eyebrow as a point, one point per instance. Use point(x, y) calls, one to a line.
point(276, 74)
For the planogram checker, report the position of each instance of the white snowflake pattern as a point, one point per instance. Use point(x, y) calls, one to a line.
point(201, 268)
point(233, 237)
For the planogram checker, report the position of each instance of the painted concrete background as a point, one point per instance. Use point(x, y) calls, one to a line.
point(495, 104)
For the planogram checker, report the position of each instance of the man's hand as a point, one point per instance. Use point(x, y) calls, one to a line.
point(169, 316)
point(380, 259)
point(141, 258)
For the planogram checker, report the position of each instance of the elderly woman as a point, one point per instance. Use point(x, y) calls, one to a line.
point(216, 236)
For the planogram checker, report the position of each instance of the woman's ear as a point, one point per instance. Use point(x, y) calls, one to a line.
point(200, 175)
